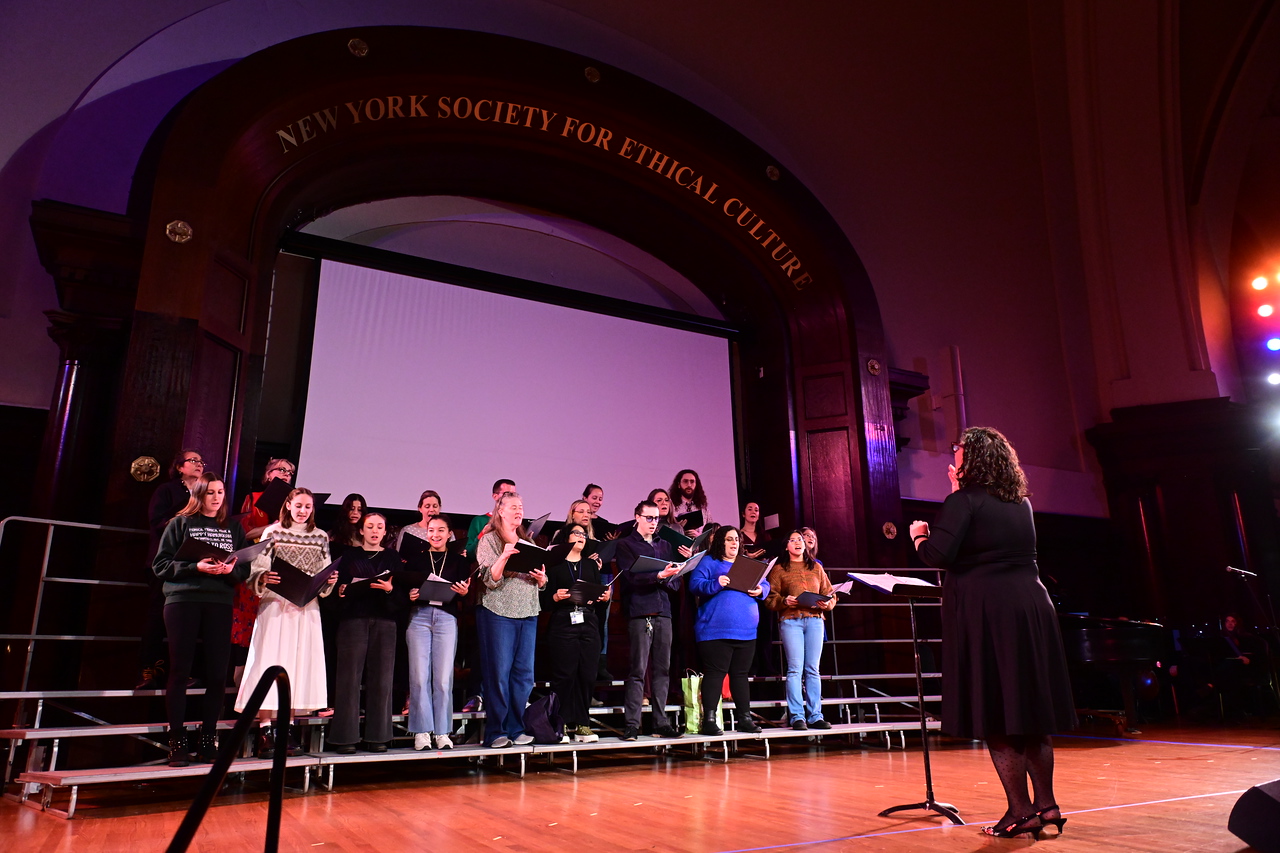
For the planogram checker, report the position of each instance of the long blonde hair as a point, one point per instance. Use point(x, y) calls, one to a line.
point(496, 524)
point(568, 519)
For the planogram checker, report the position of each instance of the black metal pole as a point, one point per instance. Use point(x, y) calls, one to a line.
point(945, 809)
point(226, 754)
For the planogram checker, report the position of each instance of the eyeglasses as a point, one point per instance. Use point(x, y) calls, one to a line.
point(288, 471)
point(653, 519)
point(956, 447)
point(189, 461)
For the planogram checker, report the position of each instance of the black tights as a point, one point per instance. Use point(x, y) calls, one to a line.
point(1017, 757)
point(186, 622)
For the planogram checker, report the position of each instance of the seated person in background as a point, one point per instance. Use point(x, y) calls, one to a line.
point(478, 524)
point(647, 603)
point(726, 630)
point(573, 636)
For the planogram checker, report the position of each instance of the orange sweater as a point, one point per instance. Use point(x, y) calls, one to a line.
point(792, 579)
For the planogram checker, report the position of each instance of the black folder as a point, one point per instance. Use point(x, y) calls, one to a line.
point(272, 498)
point(436, 592)
point(585, 592)
point(535, 526)
point(691, 519)
point(676, 537)
point(529, 557)
point(604, 550)
point(193, 551)
point(297, 586)
point(746, 574)
point(645, 563)
point(811, 600)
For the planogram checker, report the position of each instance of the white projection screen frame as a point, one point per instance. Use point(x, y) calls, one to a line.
point(418, 384)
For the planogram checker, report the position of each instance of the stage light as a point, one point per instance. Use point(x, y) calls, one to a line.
point(1273, 344)
point(1265, 310)
point(1274, 378)
point(1260, 283)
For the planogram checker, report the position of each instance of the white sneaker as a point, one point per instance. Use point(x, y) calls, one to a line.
point(585, 735)
point(422, 740)
point(501, 743)
point(564, 739)
point(442, 742)
point(523, 740)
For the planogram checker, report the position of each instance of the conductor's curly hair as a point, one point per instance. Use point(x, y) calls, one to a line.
point(991, 462)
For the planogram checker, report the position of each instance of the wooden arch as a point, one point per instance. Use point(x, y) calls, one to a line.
point(344, 117)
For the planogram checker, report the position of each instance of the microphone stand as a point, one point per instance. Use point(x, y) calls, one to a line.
point(911, 593)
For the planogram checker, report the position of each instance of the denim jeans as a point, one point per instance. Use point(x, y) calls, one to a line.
point(507, 646)
point(432, 637)
point(802, 643)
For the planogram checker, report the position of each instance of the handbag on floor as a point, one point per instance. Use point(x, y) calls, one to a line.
point(542, 720)
point(691, 691)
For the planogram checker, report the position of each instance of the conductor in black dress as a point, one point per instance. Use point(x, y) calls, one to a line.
point(1004, 674)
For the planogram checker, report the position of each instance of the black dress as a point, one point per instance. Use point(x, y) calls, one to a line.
point(1003, 668)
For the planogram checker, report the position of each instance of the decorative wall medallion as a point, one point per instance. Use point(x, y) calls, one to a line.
point(145, 469)
point(772, 172)
point(873, 367)
point(179, 231)
point(592, 74)
point(890, 530)
point(358, 47)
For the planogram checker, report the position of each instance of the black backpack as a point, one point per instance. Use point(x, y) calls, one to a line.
point(542, 719)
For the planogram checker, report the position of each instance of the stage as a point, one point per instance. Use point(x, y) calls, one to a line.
point(1167, 789)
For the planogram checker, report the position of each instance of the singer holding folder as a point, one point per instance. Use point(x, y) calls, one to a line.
point(1004, 673)
point(197, 606)
point(286, 633)
point(725, 630)
point(507, 620)
point(573, 635)
point(801, 628)
point(432, 635)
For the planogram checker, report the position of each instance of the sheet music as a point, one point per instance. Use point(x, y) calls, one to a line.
point(886, 582)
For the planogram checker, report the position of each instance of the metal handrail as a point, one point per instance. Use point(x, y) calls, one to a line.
point(52, 524)
point(226, 754)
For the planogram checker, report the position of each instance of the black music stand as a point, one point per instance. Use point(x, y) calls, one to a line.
point(911, 592)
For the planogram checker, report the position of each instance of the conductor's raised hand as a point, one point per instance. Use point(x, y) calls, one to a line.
point(918, 528)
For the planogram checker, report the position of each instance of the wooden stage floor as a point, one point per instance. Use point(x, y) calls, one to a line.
point(1168, 789)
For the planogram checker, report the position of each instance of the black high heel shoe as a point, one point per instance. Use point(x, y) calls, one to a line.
point(1058, 821)
point(1012, 828)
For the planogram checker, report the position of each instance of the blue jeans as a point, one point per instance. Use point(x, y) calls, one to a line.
point(802, 643)
point(507, 649)
point(432, 637)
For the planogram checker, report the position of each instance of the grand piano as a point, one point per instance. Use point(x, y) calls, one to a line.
point(1104, 652)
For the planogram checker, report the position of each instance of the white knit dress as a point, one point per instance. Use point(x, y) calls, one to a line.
point(286, 634)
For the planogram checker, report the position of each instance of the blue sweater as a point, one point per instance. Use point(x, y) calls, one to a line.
point(724, 614)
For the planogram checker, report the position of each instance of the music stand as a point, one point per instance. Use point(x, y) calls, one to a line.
point(912, 590)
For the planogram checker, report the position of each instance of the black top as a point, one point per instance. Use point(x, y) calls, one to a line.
point(167, 499)
point(643, 593)
point(1003, 671)
point(420, 561)
point(360, 600)
point(562, 576)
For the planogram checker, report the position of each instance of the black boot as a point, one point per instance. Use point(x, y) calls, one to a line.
point(207, 749)
point(179, 754)
point(709, 728)
point(295, 739)
point(266, 745)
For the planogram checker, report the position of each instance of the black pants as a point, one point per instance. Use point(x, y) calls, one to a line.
point(186, 622)
point(650, 655)
point(734, 658)
point(573, 656)
point(365, 647)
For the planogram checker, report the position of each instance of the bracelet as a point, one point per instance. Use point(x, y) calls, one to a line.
point(918, 537)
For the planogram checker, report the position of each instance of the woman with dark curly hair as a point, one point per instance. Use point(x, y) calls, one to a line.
point(1004, 674)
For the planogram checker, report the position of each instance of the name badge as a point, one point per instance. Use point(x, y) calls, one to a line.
point(577, 617)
